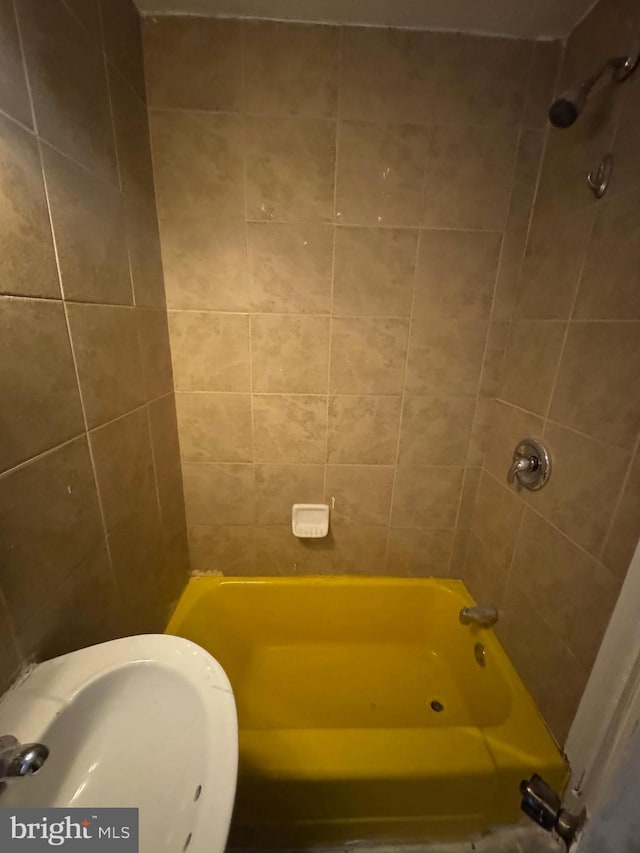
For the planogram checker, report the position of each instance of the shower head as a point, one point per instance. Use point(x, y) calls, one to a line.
point(566, 109)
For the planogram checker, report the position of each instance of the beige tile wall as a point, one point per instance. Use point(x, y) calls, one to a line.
point(554, 560)
point(92, 531)
point(341, 212)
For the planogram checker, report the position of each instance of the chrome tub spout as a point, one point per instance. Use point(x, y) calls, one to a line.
point(485, 615)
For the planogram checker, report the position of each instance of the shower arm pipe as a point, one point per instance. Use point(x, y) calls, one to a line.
point(617, 63)
point(566, 109)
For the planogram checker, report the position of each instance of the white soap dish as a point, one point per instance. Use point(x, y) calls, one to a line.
point(310, 521)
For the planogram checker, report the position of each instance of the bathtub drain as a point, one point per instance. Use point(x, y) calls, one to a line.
point(436, 706)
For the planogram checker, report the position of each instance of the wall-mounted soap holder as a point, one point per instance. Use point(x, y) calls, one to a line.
point(310, 521)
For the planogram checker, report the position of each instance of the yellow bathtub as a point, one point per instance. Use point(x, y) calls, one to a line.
point(363, 711)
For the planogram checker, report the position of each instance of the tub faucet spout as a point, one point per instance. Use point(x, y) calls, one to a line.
point(20, 759)
point(486, 615)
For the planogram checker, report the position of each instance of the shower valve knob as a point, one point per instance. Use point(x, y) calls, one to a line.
point(531, 465)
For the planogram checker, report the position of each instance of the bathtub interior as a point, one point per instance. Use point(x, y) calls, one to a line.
point(363, 711)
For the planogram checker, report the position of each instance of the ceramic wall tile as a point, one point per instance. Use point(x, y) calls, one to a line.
point(289, 427)
point(363, 429)
point(290, 166)
point(67, 77)
point(37, 376)
point(27, 260)
point(289, 70)
point(193, 63)
point(210, 352)
point(381, 171)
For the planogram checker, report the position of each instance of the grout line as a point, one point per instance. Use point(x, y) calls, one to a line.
point(338, 118)
point(20, 655)
point(155, 466)
point(56, 255)
point(287, 525)
point(247, 273)
point(584, 320)
point(590, 7)
point(78, 383)
point(38, 456)
point(34, 130)
point(388, 465)
point(574, 302)
point(140, 328)
point(383, 226)
point(128, 412)
point(536, 511)
point(333, 275)
point(618, 503)
point(543, 155)
point(78, 20)
point(554, 423)
point(82, 166)
point(546, 418)
point(157, 229)
point(99, 177)
point(86, 431)
point(510, 322)
point(474, 416)
point(58, 300)
point(405, 371)
point(143, 361)
point(220, 392)
point(114, 135)
point(95, 43)
point(373, 226)
point(92, 459)
point(517, 162)
point(527, 88)
point(485, 352)
point(123, 77)
point(368, 317)
point(516, 542)
point(25, 70)
point(125, 211)
point(292, 314)
point(313, 22)
point(13, 120)
point(173, 310)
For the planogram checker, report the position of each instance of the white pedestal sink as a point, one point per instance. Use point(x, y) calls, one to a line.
point(147, 722)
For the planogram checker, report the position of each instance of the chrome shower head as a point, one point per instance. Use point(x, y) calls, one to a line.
point(565, 110)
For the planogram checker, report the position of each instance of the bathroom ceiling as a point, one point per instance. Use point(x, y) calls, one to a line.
point(524, 18)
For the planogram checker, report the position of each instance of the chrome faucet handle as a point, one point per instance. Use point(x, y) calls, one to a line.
point(531, 465)
point(521, 464)
point(20, 759)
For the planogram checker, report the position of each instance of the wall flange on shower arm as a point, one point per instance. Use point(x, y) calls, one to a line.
point(566, 109)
